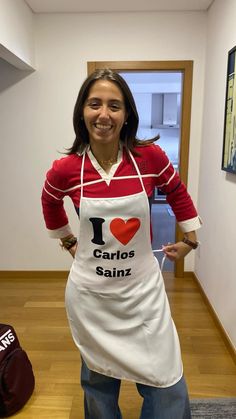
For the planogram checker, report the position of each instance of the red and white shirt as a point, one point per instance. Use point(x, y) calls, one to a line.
point(63, 179)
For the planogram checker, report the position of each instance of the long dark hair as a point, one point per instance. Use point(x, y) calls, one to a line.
point(128, 131)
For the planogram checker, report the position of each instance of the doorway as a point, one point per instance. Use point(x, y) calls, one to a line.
point(186, 70)
point(158, 98)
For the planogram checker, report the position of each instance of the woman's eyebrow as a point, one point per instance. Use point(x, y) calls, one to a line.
point(115, 100)
point(109, 100)
point(93, 98)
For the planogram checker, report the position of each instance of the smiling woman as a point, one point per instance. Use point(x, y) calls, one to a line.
point(115, 294)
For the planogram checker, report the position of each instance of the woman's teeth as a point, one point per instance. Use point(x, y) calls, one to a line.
point(102, 126)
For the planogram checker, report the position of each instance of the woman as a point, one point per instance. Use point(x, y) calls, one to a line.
point(115, 297)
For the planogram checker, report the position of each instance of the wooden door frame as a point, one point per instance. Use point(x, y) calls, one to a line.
point(186, 67)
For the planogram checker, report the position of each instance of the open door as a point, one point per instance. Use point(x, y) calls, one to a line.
point(186, 67)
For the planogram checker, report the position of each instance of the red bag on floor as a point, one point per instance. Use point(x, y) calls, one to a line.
point(16, 373)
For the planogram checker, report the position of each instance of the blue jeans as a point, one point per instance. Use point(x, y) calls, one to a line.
point(101, 395)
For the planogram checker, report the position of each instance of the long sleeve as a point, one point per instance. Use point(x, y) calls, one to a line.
point(177, 196)
point(53, 193)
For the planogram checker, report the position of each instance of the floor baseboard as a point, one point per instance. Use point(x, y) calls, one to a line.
point(216, 319)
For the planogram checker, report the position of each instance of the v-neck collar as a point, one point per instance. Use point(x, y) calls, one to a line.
point(107, 177)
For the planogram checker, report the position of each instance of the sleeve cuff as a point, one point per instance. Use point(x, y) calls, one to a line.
point(60, 232)
point(190, 225)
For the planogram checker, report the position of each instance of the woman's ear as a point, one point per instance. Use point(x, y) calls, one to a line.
point(126, 117)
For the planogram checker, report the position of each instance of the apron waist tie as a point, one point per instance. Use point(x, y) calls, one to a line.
point(163, 259)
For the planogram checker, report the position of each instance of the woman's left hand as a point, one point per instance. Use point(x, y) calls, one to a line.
point(176, 251)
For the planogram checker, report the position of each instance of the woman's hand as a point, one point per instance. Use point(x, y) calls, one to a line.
point(69, 243)
point(72, 250)
point(176, 251)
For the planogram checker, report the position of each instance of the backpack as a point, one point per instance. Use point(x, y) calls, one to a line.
point(16, 374)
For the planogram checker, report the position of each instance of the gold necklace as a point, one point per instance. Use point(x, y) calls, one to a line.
point(110, 162)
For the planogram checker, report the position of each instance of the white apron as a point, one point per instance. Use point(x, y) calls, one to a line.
point(115, 296)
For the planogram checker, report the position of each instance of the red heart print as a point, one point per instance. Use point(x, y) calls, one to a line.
point(123, 230)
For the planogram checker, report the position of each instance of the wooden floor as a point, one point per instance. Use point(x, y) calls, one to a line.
point(35, 307)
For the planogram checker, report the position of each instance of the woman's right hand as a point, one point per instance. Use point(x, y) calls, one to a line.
point(69, 243)
point(72, 250)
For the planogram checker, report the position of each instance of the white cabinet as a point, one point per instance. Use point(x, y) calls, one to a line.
point(165, 110)
point(170, 109)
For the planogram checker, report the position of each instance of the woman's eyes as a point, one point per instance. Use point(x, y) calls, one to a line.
point(113, 106)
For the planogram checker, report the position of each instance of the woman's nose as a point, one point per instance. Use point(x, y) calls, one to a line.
point(104, 112)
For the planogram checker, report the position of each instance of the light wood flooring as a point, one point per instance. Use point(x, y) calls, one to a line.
point(35, 308)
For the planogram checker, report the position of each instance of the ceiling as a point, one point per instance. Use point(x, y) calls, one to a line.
point(91, 6)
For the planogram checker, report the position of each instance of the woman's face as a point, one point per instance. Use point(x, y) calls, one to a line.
point(104, 113)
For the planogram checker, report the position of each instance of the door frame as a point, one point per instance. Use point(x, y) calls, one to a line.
point(186, 67)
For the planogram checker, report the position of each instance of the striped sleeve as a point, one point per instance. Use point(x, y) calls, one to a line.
point(55, 216)
point(177, 196)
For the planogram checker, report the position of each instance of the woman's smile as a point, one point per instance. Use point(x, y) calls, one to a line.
point(102, 127)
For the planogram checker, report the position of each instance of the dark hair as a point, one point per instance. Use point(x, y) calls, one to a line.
point(128, 131)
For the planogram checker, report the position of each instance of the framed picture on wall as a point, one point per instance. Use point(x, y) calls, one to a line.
point(229, 144)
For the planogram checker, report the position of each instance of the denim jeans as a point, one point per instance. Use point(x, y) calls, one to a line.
point(101, 395)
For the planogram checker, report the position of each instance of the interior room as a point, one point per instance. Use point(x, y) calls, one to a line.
point(45, 51)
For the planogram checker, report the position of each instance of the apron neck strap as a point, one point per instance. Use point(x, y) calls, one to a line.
point(137, 169)
point(82, 175)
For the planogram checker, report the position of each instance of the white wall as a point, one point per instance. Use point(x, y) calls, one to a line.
point(17, 33)
point(36, 112)
point(215, 265)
